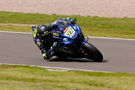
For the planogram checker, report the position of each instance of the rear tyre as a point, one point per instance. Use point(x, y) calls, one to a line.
point(92, 52)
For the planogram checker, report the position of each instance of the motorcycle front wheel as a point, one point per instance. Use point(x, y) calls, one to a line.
point(92, 52)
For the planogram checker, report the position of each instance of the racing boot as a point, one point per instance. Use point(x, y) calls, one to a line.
point(48, 54)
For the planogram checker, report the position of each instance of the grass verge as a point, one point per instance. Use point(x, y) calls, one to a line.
point(13, 77)
point(92, 26)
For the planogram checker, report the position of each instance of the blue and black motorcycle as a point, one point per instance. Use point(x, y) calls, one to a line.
point(72, 43)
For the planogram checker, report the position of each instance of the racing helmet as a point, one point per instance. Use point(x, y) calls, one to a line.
point(42, 28)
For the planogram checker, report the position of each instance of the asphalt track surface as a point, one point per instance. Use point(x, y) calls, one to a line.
point(119, 55)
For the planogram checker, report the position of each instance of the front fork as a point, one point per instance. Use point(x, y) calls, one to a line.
point(82, 50)
point(83, 42)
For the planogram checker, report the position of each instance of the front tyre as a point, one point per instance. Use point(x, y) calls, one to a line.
point(92, 52)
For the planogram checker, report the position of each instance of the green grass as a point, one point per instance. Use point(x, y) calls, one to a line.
point(14, 77)
point(93, 26)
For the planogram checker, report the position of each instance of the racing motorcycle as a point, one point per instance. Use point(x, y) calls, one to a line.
point(73, 44)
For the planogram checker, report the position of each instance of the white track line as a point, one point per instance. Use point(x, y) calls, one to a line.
point(57, 68)
point(112, 38)
point(89, 36)
point(15, 32)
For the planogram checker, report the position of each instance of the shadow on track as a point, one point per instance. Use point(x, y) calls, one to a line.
point(74, 60)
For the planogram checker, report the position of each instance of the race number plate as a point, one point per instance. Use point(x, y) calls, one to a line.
point(69, 32)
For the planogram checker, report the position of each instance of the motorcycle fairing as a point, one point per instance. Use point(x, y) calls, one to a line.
point(70, 33)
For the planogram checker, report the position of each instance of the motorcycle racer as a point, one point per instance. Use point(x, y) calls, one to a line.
point(43, 38)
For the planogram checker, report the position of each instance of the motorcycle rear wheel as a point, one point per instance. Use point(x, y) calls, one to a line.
point(92, 52)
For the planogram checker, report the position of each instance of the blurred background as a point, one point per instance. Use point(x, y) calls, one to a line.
point(103, 8)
